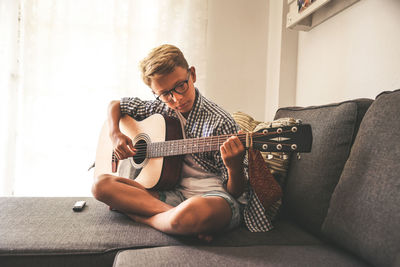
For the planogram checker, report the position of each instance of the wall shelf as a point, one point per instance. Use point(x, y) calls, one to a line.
point(316, 13)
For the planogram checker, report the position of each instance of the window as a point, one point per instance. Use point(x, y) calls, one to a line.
point(65, 61)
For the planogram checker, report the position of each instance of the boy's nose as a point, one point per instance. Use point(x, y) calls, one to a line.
point(175, 96)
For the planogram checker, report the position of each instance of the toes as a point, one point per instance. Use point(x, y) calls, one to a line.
point(205, 237)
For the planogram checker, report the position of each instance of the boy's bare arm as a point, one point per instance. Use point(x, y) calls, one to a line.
point(114, 115)
point(122, 144)
point(232, 152)
point(236, 182)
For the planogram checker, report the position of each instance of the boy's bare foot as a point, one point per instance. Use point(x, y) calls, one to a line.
point(141, 219)
point(205, 237)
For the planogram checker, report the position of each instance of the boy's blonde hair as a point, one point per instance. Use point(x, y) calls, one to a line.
point(162, 60)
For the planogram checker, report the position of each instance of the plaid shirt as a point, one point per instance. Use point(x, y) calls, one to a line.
point(205, 119)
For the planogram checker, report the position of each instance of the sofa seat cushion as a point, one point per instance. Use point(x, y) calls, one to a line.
point(364, 212)
point(47, 230)
point(43, 231)
point(237, 256)
point(312, 179)
point(284, 233)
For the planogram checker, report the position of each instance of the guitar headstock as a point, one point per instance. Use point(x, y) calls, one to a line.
point(296, 138)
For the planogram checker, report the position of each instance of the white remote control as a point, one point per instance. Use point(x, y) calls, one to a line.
point(79, 205)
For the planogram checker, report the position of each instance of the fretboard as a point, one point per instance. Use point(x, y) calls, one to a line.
point(185, 146)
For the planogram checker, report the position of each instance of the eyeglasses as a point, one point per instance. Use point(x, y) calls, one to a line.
point(180, 89)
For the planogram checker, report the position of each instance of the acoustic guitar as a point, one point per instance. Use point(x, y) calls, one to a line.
point(160, 148)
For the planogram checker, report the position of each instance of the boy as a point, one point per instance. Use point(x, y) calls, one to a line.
point(204, 202)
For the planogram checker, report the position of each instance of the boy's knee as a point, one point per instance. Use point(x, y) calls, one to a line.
point(101, 186)
point(185, 222)
point(190, 219)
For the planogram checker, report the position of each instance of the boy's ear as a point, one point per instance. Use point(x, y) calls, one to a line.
point(193, 73)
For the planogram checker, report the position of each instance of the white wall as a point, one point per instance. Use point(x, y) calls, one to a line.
point(353, 54)
point(254, 64)
point(236, 55)
point(281, 61)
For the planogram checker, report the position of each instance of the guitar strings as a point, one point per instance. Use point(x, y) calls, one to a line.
point(144, 152)
point(214, 140)
point(202, 141)
point(202, 144)
point(242, 137)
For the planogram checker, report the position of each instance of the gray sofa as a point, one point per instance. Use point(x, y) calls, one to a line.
point(340, 208)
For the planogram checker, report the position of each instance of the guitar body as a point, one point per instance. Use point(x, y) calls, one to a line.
point(153, 173)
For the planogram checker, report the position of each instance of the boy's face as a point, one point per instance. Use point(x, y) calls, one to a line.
point(176, 79)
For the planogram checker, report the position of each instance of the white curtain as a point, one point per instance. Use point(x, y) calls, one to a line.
point(61, 64)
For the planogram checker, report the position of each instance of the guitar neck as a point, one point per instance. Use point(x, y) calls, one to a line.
point(188, 146)
point(280, 139)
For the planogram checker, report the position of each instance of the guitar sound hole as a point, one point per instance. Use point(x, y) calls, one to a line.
point(141, 150)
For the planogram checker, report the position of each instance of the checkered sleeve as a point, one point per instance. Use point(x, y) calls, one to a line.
point(141, 109)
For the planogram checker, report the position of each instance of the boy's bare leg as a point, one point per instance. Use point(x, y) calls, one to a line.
point(199, 216)
point(127, 196)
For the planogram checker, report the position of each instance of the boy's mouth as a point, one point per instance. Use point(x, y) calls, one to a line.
point(181, 106)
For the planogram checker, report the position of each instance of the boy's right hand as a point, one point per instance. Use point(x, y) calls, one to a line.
point(123, 146)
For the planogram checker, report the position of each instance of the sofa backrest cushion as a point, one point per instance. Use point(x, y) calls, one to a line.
point(312, 179)
point(364, 212)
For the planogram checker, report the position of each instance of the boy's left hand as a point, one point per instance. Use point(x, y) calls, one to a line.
point(232, 152)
